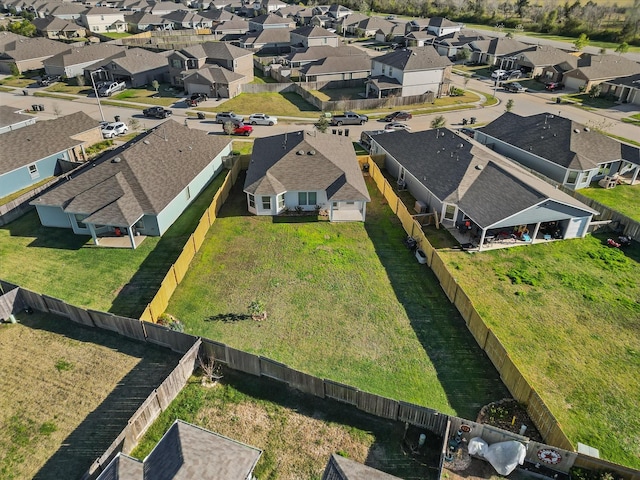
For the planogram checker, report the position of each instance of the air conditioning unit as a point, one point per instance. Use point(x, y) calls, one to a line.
point(420, 207)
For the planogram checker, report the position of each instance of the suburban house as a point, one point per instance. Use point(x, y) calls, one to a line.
point(270, 40)
point(541, 59)
point(187, 19)
point(164, 8)
point(559, 148)
point(230, 30)
point(626, 89)
point(271, 6)
point(440, 26)
point(449, 45)
point(104, 20)
point(270, 21)
point(595, 69)
point(305, 37)
point(337, 68)
point(473, 189)
point(302, 17)
point(409, 71)
point(419, 38)
point(337, 11)
point(139, 190)
point(347, 23)
point(39, 151)
point(26, 53)
point(195, 57)
point(497, 51)
point(214, 81)
point(342, 468)
point(324, 21)
point(73, 61)
point(143, 21)
point(289, 11)
point(57, 28)
point(186, 451)
point(315, 54)
point(306, 171)
point(136, 66)
point(65, 10)
point(394, 33)
point(11, 119)
point(368, 27)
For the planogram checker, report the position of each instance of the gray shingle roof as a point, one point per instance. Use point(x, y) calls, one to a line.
point(77, 55)
point(215, 50)
point(156, 168)
point(500, 46)
point(454, 169)
point(123, 467)
point(562, 145)
point(21, 48)
point(269, 35)
point(277, 165)
point(546, 55)
point(328, 65)
point(31, 143)
point(270, 19)
point(351, 470)
point(414, 59)
point(55, 24)
point(213, 74)
point(628, 80)
point(12, 115)
point(324, 51)
point(311, 31)
point(442, 22)
point(598, 67)
point(134, 60)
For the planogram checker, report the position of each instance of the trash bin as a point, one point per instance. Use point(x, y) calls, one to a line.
point(473, 120)
point(41, 108)
point(25, 93)
point(34, 108)
point(558, 100)
point(117, 118)
point(339, 131)
point(464, 121)
point(201, 115)
point(334, 131)
point(346, 132)
point(365, 168)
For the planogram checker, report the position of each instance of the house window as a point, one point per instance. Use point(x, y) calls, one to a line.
point(266, 203)
point(252, 201)
point(573, 176)
point(79, 218)
point(604, 169)
point(390, 71)
point(33, 171)
point(281, 202)
point(306, 198)
point(449, 212)
point(175, 63)
point(585, 177)
point(384, 69)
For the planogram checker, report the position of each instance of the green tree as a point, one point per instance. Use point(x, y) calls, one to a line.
point(521, 7)
point(438, 122)
point(463, 54)
point(24, 28)
point(581, 42)
point(622, 48)
point(156, 85)
point(80, 80)
point(323, 123)
point(595, 91)
point(509, 106)
point(13, 68)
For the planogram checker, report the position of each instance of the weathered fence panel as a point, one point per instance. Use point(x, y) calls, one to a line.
point(305, 383)
point(597, 464)
point(546, 423)
point(377, 405)
point(514, 381)
point(161, 335)
point(103, 320)
point(201, 231)
point(34, 300)
point(80, 315)
point(243, 361)
point(478, 329)
point(464, 305)
point(144, 416)
point(56, 306)
point(10, 303)
point(447, 282)
point(428, 418)
point(213, 349)
point(495, 350)
point(272, 369)
point(341, 392)
point(129, 327)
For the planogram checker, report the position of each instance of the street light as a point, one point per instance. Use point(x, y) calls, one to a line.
point(96, 90)
point(495, 85)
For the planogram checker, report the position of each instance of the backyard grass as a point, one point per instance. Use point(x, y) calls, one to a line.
point(328, 94)
point(66, 392)
point(116, 35)
point(344, 301)
point(623, 198)
point(297, 432)
point(165, 96)
point(62, 264)
point(13, 196)
point(568, 313)
point(258, 77)
point(277, 104)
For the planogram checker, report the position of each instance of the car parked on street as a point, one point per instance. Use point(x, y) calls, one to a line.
point(513, 87)
point(157, 112)
point(397, 126)
point(551, 86)
point(114, 129)
point(240, 129)
point(397, 116)
point(223, 117)
point(262, 119)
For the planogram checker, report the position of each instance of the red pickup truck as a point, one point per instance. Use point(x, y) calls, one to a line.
point(241, 129)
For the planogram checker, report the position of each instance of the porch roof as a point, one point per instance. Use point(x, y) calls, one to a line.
point(382, 82)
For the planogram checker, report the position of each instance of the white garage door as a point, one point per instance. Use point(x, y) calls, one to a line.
point(573, 83)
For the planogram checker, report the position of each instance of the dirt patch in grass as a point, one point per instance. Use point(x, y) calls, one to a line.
point(66, 392)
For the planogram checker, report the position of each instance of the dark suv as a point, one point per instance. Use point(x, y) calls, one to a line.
point(197, 98)
point(48, 80)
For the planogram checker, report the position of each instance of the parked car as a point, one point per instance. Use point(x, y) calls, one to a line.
point(348, 118)
point(197, 98)
point(47, 80)
point(156, 112)
point(514, 74)
point(240, 129)
point(262, 119)
point(499, 74)
point(397, 126)
point(114, 129)
point(514, 87)
point(110, 88)
point(551, 86)
point(396, 116)
point(223, 117)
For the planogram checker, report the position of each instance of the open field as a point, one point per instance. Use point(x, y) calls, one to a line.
point(281, 421)
point(345, 301)
point(59, 263)
point(623, 198)
point(568, 313)
point(66, 392)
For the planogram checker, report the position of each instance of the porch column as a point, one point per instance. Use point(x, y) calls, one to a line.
point(84, 153)
point(535, 232)
point(364, 210)
point(484, 232)
point(131, 237)
point(93, 234)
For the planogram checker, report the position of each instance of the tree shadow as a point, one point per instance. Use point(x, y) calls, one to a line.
point(466, 374)
point(98, 430)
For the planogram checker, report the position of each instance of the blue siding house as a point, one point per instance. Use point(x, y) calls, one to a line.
point(140, 190)
point(34, 152)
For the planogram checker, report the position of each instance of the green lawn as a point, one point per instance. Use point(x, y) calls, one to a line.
point(258, 77)
point(623, 198)
point(269, 416)
point(116, 35)
point(583, 100)
point(61, 87)
point(59, 263)
point(163, 96)
point(327, 94)
point(277, 104)
point(344, 301)
point(19, 82)
point(635, 119)
point(568, 313)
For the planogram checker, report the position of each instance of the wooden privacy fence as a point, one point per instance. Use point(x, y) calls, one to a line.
point(178, 270)
point(511, 376)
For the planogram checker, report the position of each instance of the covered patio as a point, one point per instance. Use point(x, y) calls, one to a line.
point(383, 86)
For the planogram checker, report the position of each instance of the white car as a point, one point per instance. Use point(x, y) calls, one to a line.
point(262, 119)
point(498, 74)
point(393, 126)
point(114, 129)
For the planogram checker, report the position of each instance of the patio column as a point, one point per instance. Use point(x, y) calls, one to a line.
point(635, 175)
point(535, 232)
point(484, 232)
point(131, 237)
point(93, 234)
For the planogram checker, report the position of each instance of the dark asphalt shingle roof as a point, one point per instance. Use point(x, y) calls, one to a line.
point(485, 185)
point(500, 46)
point(559, 140)
point(88, 53)
point(212, 74)
point(134, 60)
point(216, 50)
point(44, 138)
point(12, 115)
point(414, 59)
point(324, 51)
point(19, 48)
point(330, 65)
point(628, 81)
point(312, 31)
point(283, 163)
point(155, 169)
point(123, 467)
point(597, 67)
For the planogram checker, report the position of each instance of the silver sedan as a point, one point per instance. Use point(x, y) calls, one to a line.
point(262, 119)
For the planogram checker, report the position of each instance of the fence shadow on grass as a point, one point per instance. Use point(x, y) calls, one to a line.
point(28, 225)
point(236, 204)
point(97, 431)
point(465, 372)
